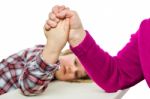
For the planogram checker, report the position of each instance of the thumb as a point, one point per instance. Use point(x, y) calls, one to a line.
point(64, 14)
point(67, 25)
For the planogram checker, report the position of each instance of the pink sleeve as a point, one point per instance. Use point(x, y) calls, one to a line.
point(111, 73)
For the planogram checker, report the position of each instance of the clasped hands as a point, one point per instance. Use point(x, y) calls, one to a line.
point(62, 26)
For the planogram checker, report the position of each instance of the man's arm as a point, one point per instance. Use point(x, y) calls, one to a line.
point(110, 73)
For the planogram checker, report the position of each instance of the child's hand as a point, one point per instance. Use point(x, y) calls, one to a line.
point(53, 20)
point(76, 32)
point(57, 37)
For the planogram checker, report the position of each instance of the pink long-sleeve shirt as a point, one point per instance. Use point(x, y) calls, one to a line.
point(130, 66)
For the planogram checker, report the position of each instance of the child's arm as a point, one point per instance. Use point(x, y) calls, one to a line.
point(31, 70)
point(37, 74)
point(56, 39)
point(27, 71)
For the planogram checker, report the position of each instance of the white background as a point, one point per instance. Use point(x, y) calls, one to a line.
point(110, 22)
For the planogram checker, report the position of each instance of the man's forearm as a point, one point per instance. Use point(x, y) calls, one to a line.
point(76, 37)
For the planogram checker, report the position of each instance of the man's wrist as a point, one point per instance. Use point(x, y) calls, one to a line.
point(77, 37)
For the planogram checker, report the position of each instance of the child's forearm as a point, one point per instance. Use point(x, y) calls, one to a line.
point(50, 54)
